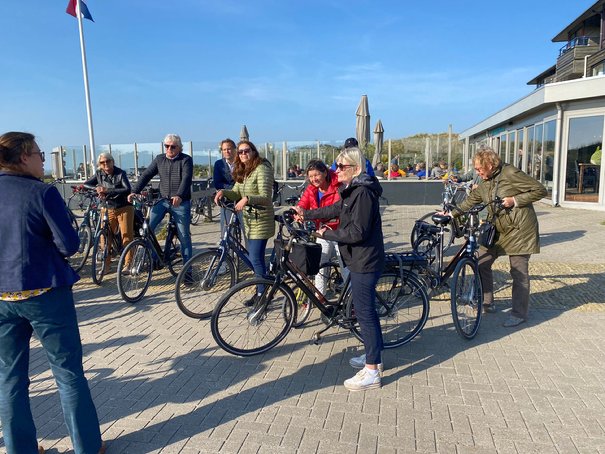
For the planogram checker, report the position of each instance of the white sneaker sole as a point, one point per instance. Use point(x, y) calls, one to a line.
point(362, 388)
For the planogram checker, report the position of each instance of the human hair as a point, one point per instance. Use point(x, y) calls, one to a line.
point(229, 141)
point(107, 155)
point(13, 145)
point(319, 165)
point(353, 156)
point(240, 169)
point(175, 139)
point(486, 156)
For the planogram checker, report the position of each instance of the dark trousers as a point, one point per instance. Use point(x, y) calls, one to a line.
point(519, 270)
point(363, 287)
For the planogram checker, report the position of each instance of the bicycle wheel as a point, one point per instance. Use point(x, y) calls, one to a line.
point(245, 330)
point(402, 305)
point(427, 246)
point(77, 204)
point(78, 260)
point(100, 257)
point(195, 213)
point(467, 297)
point(174, 257)
point(201, 282)
point(134, 279)
point(416, 233)
point(449, 234)
point(334, 279)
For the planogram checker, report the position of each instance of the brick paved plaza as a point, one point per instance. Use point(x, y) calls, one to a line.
point(161, 384)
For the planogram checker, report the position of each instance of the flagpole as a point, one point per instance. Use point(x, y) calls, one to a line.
point(91, 135)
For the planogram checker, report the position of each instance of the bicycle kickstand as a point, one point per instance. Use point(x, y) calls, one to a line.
point(316, 337)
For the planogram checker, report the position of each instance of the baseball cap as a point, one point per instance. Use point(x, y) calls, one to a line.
point(351, 142)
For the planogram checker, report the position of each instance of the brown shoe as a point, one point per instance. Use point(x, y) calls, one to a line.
point(103, 448)
point(41, 450)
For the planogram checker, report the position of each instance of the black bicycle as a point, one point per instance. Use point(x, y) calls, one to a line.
point(144, 255)
point(244, 324)
point(210, 273)
point(278, 193)
point(453, 194)
point(466, 290)
point(107, 244)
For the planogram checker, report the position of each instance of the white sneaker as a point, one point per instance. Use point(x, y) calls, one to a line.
point(364, 379)
point(359, 362)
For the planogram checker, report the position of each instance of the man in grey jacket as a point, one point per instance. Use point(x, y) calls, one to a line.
point(175, 170)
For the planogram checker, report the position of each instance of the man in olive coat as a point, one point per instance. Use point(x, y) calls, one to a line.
point(516, 225)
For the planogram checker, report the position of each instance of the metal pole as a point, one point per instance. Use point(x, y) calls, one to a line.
point(91, 134)
point(427, 152)
point(449, 148)
point(85, 163)
point(284, 160)
point(136, 161)
point(389, 163)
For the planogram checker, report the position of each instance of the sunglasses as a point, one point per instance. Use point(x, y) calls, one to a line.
point(41, 153)
point(244, 151)
point(170, 147)
point(102, 163)
point(341, 166)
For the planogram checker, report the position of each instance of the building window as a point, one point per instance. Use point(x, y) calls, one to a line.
point(585, 139)
point(599, 70)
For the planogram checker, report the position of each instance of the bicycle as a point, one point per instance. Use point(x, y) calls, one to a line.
point(466, 289)
point(247, 330)
point(146, 256)
point(453, 194)
point(90, 221)
point(107, 244)
point(208, 274)
point(201, 208)
point(292, 200)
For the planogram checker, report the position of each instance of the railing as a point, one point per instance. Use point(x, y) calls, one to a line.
point(69, 161)
point(576, 42)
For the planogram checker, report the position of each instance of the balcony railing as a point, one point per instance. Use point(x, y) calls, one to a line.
point(576, 42)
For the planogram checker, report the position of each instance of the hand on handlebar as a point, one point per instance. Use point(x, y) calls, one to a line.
point(239, 206)
point(218, 196)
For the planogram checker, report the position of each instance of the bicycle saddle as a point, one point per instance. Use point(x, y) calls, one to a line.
point(441, 219)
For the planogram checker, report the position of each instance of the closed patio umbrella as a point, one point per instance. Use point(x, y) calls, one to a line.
point(378, 138)
point(362, 129)
point(243, 135)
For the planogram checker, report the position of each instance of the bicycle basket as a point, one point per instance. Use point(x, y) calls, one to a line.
point(305, 255)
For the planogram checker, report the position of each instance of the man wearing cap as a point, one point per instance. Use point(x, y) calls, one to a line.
point(351, 142)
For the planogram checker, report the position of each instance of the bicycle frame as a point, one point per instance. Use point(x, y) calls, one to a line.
point(469, 248)
point(148, 235)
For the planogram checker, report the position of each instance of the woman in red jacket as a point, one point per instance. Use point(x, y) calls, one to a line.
point(321, 192)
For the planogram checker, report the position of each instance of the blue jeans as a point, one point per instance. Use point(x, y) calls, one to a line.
point(256, 254)
point(363, 287)
point(52, 316)
point(182, 217)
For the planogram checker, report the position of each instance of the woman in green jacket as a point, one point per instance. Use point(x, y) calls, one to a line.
point(516, 225)
point(253, 176)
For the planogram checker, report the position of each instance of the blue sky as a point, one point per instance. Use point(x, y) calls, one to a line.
point(289, 70)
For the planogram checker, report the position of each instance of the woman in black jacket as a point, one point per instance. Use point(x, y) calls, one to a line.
point(361, 245)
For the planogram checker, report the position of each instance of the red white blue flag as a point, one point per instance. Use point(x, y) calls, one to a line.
point(71, 9)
